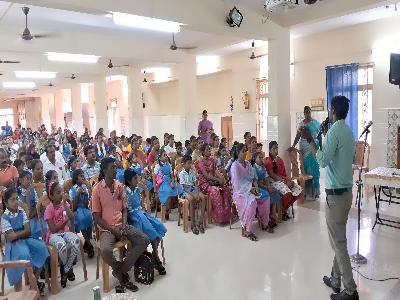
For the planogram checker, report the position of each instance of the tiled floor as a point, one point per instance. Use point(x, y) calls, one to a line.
point(282, 266)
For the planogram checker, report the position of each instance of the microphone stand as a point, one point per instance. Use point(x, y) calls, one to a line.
point(358, 258)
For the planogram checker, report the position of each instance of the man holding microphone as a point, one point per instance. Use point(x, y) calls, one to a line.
point(336, 156)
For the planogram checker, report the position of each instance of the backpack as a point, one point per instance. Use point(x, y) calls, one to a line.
point(144, 268)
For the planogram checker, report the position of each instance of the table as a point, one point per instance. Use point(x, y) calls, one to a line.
point(384, 181)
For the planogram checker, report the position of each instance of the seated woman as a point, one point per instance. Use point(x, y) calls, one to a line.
point(137, 165)
point(19, 243)
point(140, 219)
point(247, 198)
point(165, 181)
point(213, 184)
point(265, 187)
point(279, 180)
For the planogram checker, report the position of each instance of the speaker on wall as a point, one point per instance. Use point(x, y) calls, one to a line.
point(394, 75)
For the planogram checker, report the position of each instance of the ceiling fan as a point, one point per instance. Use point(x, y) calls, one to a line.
point(174, 47)
point(253, 56)
point(111, 65)
point(9, 62)
point(26, 35)
point(49, 84)
point(71, 77)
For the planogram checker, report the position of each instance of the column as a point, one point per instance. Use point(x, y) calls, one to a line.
point(279, 90)
point(45, 113)
point(59, 109)
point(100, 105)
point(52, 111)
point(188, 98)
point(135, 104)
point(77, 119)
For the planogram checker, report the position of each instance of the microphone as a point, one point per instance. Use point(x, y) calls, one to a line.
point(366, 128)
point(322, 127)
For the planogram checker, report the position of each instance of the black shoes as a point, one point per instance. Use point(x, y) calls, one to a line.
point(344, 296)
point(327, 281)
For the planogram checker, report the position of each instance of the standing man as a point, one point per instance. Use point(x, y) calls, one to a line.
point(205, 128)
point(336, 156)
point(8, 129)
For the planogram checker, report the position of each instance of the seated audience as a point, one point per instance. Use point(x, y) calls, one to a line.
point(213, 184)
point(140, 219)
point(92, 167)
point(279, 180)
point(51, 163)
point(59, 217)
point(20, 245)
point(188, 181)
point(80, 196)
point(247, 198)
point(8, 173)
point(111, 217)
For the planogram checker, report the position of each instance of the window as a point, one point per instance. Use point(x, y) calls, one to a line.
point(262, 110)
point(7, 115)
point(365, 85)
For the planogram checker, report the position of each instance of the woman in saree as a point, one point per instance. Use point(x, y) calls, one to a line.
point(311, 166)
point(213, 184)
point(248, 199)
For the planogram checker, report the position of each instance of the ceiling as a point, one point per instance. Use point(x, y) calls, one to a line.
point(77, 26)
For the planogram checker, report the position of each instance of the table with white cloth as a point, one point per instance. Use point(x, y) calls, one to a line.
point(385, 181)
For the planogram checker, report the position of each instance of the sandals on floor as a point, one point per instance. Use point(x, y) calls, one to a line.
point(160, 268)
point(71, 275)
point(195, 230)
point(120, 289)
point(130, 286)
point(201, 228)
point(251, 236)
point(41, 286)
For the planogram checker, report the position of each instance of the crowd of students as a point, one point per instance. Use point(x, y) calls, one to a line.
point(56, 185)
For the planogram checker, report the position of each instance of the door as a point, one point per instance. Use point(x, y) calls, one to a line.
point(226, 129)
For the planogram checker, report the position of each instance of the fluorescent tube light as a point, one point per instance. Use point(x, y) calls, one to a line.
point(18, 85)
point(73, 58)
point(35, 74)
point(145, 22)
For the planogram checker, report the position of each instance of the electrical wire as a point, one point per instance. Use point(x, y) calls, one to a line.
point(372, 279)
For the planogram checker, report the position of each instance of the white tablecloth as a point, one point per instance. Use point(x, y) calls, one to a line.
point(381, 176)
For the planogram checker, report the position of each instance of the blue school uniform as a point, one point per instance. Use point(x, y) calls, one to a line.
point(83, 215)
point(261, 175)
point(36, 231)
point(187, 179)
point(140, 219)
point(30, 249)
point(67, 151)
point(120, 175)
point(138, 170)
point(166, 191)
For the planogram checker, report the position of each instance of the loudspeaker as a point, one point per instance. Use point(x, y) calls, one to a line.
point(394, 75)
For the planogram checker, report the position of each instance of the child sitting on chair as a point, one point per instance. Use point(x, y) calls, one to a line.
point(140, 219)
point(79, 195)
point(58, 215)
point(187, 179)
point(28, 199)
point(19, 243)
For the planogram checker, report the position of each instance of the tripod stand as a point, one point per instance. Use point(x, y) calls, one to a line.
point(358, 258)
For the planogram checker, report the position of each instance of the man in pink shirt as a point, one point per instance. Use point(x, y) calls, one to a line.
point(110, 215)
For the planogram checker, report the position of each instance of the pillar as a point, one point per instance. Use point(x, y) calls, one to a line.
point(279, 91)
point(135, 103)
point(77, 119)
point(45, 112)
point(100, 105)
point(59, 111)
point(188, 98)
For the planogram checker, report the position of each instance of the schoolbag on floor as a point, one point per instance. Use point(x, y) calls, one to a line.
point(144, 268)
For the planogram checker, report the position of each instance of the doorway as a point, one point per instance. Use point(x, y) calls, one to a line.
point(226, 129)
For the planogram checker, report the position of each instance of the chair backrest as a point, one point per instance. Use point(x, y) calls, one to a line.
point(293, 155)
point(359, 154)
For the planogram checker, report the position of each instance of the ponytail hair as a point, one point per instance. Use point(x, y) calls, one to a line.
point(239, 147)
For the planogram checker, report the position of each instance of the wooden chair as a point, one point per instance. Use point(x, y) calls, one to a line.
point(54, 254)
point(32, 293)
point(121, 247)
point(298, 174)
point(359, 156)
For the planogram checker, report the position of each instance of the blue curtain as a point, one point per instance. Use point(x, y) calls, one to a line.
point(343, 81)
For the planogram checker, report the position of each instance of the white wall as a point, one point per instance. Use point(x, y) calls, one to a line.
point(347, 45)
